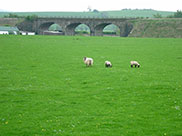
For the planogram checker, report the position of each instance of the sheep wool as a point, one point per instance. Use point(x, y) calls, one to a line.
point(108, 64)
point(88, 61)
point(135, 63)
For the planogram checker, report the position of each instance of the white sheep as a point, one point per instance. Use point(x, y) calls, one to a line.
point(108, 64)
point(135, 63)
point(88, 61)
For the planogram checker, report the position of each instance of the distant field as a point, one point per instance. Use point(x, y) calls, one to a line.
point(100, 14)
point(45, 89)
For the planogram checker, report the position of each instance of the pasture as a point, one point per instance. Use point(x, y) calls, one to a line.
point(97, 14)
point(45, 88)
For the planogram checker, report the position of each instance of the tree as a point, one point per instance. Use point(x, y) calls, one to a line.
point(31, 18)
point(96, 11)
point(157, 15)
point(12, 15)
point(178, 14)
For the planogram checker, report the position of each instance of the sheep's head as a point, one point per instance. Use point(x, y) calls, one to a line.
point(108, 64)
point(84, 58)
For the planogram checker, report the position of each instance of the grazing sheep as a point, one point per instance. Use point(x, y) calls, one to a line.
point(88, 61)
point(108, 64)
point(135, 63)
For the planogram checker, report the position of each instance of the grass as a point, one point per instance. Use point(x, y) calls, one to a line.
point(45, 89)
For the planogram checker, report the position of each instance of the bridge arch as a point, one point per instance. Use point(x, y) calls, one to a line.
point(100, 28)
point(44, 27)
point(55, 27)
point(111, 30)
point(82, 29)
point(70, 29)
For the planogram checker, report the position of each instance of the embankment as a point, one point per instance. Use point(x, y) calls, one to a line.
point(157, 28)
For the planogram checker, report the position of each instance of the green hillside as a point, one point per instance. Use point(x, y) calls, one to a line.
point(95, 13)
point(138, 13)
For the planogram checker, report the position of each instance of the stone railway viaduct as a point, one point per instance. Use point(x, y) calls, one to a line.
point(96, 25)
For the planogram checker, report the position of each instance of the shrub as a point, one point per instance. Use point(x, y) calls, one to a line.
point(31, 18)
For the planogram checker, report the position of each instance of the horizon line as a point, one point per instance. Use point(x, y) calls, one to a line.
point(2, 10)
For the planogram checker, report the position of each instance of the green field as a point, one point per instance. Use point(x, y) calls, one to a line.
point(100, 14)
point(45, 88)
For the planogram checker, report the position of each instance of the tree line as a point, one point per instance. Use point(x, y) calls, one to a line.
point(28, 18)
point(177, 14)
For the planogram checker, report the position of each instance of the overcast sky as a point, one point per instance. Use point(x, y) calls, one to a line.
point(82, 5)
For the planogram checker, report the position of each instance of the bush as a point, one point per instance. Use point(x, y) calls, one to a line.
point(31, 18)
point(6, 25)
point(177, 14)
point(11, 15)
point(157, 15)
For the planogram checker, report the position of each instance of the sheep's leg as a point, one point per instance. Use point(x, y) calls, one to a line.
point(131, 66)
point(135, 66)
